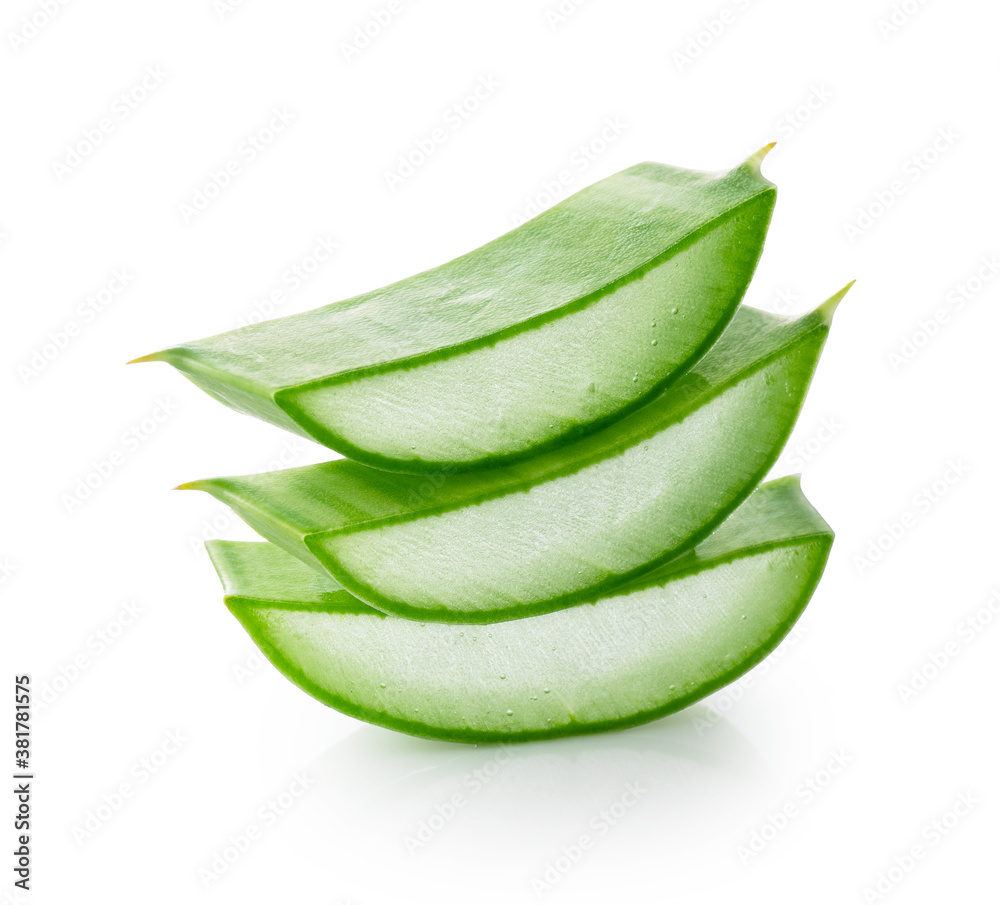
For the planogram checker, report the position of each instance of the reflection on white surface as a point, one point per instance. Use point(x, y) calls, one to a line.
point(548, 811)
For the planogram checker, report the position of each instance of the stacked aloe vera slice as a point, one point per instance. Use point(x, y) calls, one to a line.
point(550, 518)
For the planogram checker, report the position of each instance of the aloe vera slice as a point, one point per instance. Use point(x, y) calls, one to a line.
point(543, 534)
point(647, 649)
point(560, 326)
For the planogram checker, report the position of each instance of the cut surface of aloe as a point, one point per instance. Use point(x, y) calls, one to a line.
point(647, 649)
point(546, 333)
point(543, 534)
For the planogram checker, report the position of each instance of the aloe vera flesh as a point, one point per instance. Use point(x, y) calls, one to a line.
point(543, 534)
point(548, 332)
point(644, 650)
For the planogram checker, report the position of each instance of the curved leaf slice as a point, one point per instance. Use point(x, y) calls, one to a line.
point(504, 351)
point(647, 649)
point(544, 534)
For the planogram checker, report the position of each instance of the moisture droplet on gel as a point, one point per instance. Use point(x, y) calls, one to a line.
point(502, 676)
point(381, 684)
point(546, 691)
point(510, 713)
point(654, 342)
point(673, 310)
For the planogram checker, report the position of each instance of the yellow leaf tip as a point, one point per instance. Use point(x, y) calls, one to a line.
point(828, 307)
point(754, 160)
point(153, 356)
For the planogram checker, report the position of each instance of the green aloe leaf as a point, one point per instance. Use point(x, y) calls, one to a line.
point(544, 534)
point(646, 649)
point(548, 332)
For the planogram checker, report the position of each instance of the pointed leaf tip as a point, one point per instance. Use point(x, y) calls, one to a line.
point(754, 160)
point(828, 307)
point(153, 356)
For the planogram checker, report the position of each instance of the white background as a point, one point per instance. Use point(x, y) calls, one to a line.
point(875, 436)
